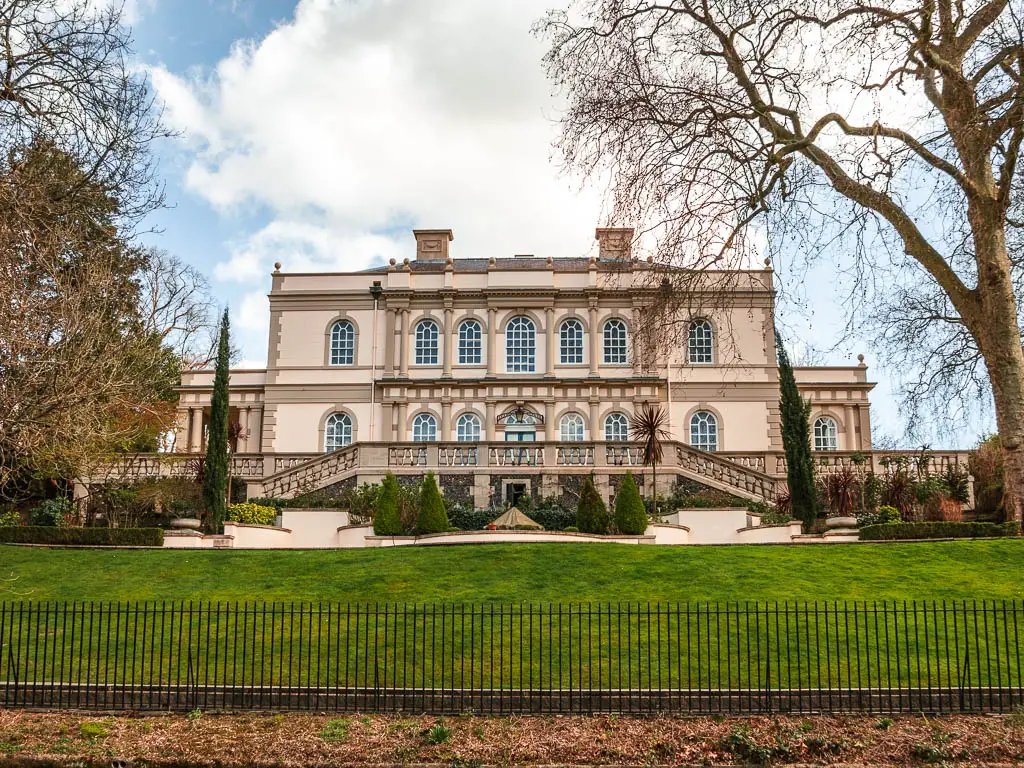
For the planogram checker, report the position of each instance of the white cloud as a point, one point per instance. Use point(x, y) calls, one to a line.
point(358, 120)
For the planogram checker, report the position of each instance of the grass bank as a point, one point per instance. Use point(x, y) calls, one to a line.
point(511, 573)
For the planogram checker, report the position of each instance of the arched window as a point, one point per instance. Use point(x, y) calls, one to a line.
point(424, 428)
point(570, 337)
point(570, 428)
point(467, 428)
point(615, 343)
point(700, 346)
point(826, 434)
point(343, 343)
point(426, 343)
point(337, 431)
point(520, 345)
point(616, 427)
point(471, 342)
point(704, 431)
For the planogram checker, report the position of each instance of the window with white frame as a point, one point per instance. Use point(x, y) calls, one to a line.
point(471, 343)
point(343, 343)
point(570, 342)
point(467, 428)
point(704, 431)
point(426, 343)
point(424, 428)
point(700, 348)
point(570, 428)
point(616, 427)
point(337, 431)
point(615, 343)
point(520, 345)
point(826, 434)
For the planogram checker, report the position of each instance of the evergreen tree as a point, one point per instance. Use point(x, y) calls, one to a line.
point(433, 518)
point(386, 520)
point(215, 475)
point(591, 514)
point(796, 441)
point(630, 514)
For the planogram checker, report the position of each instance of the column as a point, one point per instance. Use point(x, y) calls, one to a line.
point(489, 426)
point(254, 443)
point(400, 432)
point(243, 440)
point(403, 345)
point(549, 319)
point(850, 422)
point(550, 428)
point(389, 342)
point(595, 336)
point(195, 430)
point(595, 428)
point(446, 419)
point(492, 336)
point(388, 427)
point(447, 338)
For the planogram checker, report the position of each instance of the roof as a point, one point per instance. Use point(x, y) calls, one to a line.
point(562, 264)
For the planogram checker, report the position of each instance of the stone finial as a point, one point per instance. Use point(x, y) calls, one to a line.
point(432, 244)
point(492, 261)
point(277, 266)
point(550, 261)
point(860, 359)
point(768, 263)
point(614, 243)
point(392, 261)
point(650, 259)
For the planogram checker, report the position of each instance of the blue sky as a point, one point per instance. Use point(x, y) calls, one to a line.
point(319, 135)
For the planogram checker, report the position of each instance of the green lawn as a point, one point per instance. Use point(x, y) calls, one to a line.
point(524, 573)
point(393, 643)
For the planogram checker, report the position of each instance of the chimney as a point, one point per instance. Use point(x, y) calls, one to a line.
point(614, 243)
point(432, 244)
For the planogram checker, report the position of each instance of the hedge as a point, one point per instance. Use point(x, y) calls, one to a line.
point(938, 530)
point(97, 537)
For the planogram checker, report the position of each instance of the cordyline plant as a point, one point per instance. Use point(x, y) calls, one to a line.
point(648, 425)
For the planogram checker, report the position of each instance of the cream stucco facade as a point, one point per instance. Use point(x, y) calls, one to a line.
point(437, 359)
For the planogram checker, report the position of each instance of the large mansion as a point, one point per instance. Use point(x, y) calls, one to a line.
point(441, 363)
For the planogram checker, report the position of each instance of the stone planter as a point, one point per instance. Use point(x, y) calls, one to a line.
point(840, 522)
point(187, 523)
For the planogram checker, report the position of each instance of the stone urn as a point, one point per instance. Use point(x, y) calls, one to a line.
point(186, 523)
point(834, 523)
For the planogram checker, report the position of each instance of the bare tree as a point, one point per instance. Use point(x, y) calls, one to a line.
point(178, 308)
point(891, 129)
point(66, 76)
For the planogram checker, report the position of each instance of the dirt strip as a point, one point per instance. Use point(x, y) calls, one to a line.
point(203, 739)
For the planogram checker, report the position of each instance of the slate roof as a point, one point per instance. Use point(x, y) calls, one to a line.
point(570, 264)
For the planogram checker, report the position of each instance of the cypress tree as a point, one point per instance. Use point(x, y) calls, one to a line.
point(796, 441)
point(630, 514)
point(386, 520)
point(433, 518)
point(215, 469)
point(591, 514)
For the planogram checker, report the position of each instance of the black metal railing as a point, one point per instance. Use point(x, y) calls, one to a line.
point(961, 656)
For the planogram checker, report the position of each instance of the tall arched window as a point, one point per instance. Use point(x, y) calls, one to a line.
point(343, 343)
point(520, 345)
point(615, 343)
point(471, 342)
point(570, 338)
point(337, 431)
point(424, 428)
point(570, 428)
point(704, 431)
point(826, 434)
point(467, 428)
point(700, 346)
point(616, 427)
point(426, 343)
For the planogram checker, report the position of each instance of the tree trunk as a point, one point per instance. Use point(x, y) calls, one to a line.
point(994, 324)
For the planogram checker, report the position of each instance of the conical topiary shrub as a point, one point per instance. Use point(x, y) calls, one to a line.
point(630, 515)
point(591, 514)
point(386, 520)
point(432, 518)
